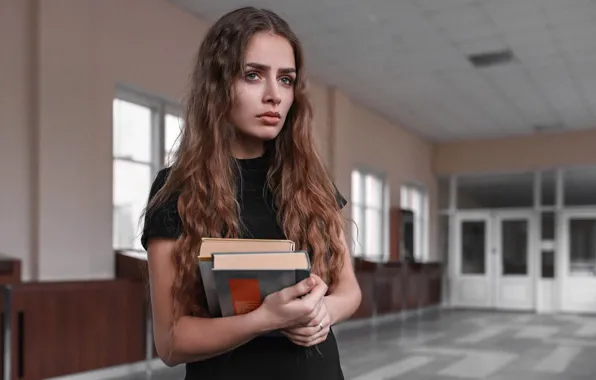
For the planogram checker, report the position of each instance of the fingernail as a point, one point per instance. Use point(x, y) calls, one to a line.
point(310, 282)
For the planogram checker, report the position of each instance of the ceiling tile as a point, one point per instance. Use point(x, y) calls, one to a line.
point(510, 15)
point(569, 13)
point(533, 46)
point(463, 23)
point(436, 6)
point(513, 82)
point(576, 38)
point(479, 94)
point(577, 117)
point(556, 83)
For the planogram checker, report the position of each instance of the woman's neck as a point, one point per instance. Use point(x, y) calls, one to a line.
point(246, 148)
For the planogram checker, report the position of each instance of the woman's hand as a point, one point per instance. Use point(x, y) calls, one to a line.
point(314, 331)
point(295, 305)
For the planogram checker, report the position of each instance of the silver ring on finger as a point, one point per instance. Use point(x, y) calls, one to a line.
point(321, 327)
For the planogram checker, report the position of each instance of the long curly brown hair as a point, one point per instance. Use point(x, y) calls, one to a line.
point(203, 172)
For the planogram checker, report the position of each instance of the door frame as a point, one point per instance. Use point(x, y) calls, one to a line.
point(533, 263)
point(493, 218)
point(455, 259)
point(563, 279)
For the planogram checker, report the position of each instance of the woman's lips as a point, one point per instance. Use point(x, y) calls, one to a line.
point(270, 118)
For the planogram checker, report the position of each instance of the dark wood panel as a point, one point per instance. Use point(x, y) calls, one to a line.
point(397, 291)
point(411, 293)
point(435, 284)
point(366, 308)
point(79, 326)
point(395, 238)
point(397, 286)
point(383, 287)
point(386, 284)
point(361, 265)
point(130, 268)
point(10, 270)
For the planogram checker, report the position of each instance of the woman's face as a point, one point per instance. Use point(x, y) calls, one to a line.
point(265, 91)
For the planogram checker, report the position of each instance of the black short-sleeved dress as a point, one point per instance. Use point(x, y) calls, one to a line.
point(264, 357)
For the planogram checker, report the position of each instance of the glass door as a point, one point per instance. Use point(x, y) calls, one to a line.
point(578, 261)
point(472, 269)
point(494, 260)
point(515, 234)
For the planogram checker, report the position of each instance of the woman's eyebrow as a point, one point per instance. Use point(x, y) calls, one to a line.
point(262, 67)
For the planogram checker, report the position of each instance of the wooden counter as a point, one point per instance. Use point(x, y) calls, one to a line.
point(61, 328)
point(391, 287)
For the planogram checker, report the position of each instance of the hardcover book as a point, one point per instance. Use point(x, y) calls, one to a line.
point(222, 245)
point(244, 279)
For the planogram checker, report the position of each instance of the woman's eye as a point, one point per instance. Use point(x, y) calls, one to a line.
point(252, 76)
point(287, 81)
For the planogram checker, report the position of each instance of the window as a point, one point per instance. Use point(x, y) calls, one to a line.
point(370, 216)
point(582, 246)
point(145, 134)
point(414, 199)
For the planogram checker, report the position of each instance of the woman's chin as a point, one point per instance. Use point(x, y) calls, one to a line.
point(263, 133)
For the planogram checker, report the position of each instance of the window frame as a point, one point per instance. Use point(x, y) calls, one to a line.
point(159, 108)
point(360, 239)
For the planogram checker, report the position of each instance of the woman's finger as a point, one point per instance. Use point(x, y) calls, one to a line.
point(316, 338)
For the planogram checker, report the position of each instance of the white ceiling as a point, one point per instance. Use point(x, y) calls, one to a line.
point(407, 60)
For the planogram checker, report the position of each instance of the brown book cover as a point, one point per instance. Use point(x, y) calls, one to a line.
point(222, 245)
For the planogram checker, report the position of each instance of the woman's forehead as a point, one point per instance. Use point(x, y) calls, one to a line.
point(270, 51)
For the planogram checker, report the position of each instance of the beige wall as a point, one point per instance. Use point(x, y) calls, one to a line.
point(516, 153)
point(363, 139)
point(86, 48)
point(17, 136)
point(320, 99)
point(57, 85)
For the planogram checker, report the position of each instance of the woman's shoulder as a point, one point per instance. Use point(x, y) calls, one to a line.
point(160, 180)
point(158, 183)
point(161, 220)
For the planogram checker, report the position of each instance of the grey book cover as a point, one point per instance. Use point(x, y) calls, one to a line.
point(240, 291)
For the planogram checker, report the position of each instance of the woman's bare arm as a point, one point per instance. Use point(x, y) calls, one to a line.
point(193, 338)
point(344, 298)
point(190, 338)
point(341, 302)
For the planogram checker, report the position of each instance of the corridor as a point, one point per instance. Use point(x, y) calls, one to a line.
point(466, 345)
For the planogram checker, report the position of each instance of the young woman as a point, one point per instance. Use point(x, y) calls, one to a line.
point(247, 167)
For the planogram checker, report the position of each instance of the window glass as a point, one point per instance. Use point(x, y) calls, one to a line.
point(132, 131)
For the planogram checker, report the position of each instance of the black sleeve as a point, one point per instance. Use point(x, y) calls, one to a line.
point(341, 201)
point(163, 221)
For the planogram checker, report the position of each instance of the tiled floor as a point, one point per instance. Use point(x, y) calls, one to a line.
point(466, 345)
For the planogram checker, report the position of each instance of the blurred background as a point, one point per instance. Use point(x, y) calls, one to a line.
point(462, 132)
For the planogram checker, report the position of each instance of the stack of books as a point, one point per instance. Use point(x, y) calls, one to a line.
point(238, 274)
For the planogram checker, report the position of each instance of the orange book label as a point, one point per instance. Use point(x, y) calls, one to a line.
point(246, 295)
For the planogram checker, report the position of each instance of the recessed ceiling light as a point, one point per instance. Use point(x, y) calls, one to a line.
point(494, 58)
